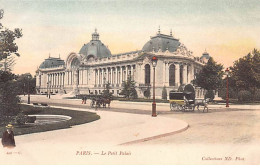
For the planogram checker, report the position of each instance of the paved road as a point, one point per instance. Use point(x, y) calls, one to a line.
point(237, 124)
point(222, 132)
point(222, 126)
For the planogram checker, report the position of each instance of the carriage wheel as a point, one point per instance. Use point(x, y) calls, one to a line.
point(172, 106)
point(92, 104)
point(180, 107)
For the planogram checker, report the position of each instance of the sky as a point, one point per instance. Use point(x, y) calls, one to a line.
point(227, 29)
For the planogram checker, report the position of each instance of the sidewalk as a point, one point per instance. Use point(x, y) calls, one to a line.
point(108, 133)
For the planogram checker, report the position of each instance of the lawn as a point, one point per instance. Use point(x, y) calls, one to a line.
point(77, 117)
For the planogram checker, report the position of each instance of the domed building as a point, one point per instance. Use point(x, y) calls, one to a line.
point(87, 71)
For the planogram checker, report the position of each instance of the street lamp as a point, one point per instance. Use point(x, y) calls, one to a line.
point(227, 95)
point(49, 83)
point(28, 90)
point(154, 63)
point(47, 89)
point(24, 89)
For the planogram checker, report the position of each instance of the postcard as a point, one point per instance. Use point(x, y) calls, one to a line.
point(117, 82)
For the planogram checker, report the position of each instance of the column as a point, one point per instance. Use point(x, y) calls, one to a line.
point(177, 74)
point(57, 80)
point(95, 71)
point(111, 76)
point(107, 76)
point(71, 77)
point(127, 72)
point(53, 79)
point(116, 80)
point(63, 78)
point(98, 78)
point(184, 73)
point(121, 80)
point(189, 74)
point(192, 72)
point(132, 71)
point(68, 78)
point(79, 75)
point(102, 75)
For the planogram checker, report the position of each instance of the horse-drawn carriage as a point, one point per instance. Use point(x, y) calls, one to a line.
point(185, 101)
point(99, 101)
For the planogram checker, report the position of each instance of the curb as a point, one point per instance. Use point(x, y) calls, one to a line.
point(155, 137)
point(134, 141)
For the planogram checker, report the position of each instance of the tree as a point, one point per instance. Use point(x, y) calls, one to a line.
point(9, 101)
point(7, 64)
point(246, 72)
point(7, 40)
point(210, 77)
point(164, 93)
point(106, 93)
point(24, 81)
point(129, 90)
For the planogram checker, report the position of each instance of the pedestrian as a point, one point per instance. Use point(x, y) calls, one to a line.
point(82, 100)
point(85, 99)
point(8, 137)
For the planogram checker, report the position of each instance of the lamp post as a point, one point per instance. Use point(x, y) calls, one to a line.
point(47, 89)
point(227, 95)
point(154, 63)
point(28, 90)
point(24, 89)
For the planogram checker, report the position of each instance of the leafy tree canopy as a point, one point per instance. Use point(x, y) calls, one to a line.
point(210, 77)
point(7, 40)
point(246, 71)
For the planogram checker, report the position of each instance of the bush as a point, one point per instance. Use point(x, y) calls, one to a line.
point(32, 111)
point(21, 119)
point(244, 95)
point(210, 94)
point(164, 93)
point(257, 95)
point(9, 100)
point(147, 93)
point(31, 119)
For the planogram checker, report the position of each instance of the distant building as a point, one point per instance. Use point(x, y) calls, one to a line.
point(87, 71)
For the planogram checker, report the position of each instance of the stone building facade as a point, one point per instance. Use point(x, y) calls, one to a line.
point(87, 71)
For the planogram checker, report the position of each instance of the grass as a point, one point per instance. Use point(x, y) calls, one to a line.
point(77, 117)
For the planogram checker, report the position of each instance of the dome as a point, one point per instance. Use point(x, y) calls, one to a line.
point(95, 48)
point(162, 42)
point(205, 55)
point(52, 62)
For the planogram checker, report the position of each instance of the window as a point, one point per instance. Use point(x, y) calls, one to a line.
point(172, 75)
point(147, 74)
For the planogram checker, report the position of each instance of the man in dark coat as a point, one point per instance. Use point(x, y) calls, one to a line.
point(8, 137)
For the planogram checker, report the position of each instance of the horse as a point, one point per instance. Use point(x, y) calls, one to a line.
point(106, 101)
point(201, 102)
